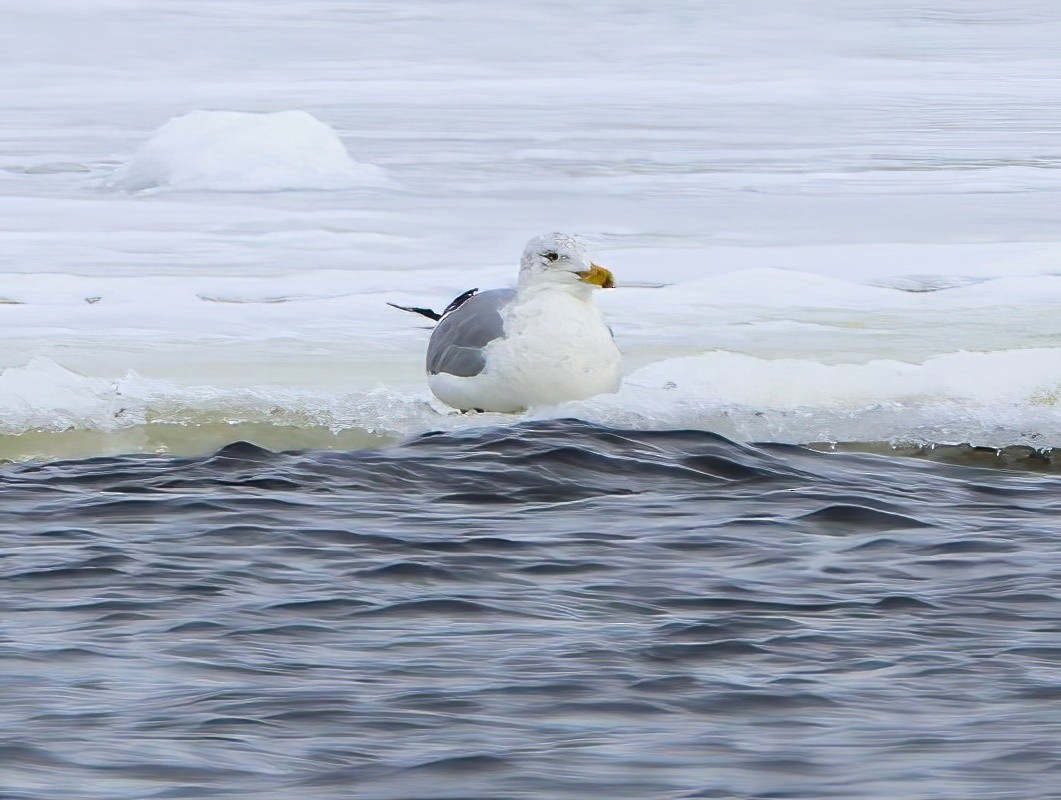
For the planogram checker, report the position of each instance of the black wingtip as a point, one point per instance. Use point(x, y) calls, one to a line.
point(460, 300)
point(426, 312)
point(430, 314)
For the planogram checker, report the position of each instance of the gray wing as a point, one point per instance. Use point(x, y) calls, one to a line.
point(458, 340)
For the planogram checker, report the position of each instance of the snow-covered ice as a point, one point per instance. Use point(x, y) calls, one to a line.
point(240, 152)
point(833, 221)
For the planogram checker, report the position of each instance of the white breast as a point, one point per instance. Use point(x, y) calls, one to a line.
point(556, 348)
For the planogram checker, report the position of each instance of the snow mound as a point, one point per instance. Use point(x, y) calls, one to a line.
point(995, 399)
point(236, 151)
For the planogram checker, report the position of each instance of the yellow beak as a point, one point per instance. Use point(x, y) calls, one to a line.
point(598, 276)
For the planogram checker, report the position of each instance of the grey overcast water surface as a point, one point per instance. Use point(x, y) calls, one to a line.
point(553, 610)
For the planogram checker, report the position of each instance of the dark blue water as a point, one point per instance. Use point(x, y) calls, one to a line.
point(551, 610)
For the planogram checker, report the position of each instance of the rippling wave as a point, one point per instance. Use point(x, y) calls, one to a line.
point(553, 609)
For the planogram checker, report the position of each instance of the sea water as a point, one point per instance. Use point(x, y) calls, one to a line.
point(834, 228)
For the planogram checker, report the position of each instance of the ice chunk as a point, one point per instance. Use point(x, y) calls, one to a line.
point(997, 399)
point(243, 152)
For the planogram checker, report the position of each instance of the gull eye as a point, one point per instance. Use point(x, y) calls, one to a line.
point(551, 256)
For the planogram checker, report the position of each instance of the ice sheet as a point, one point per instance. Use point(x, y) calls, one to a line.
point(833, 220)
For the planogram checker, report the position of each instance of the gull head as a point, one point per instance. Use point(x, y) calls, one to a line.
point(560, 260)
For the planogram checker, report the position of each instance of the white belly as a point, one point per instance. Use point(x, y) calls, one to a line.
point(556, 348)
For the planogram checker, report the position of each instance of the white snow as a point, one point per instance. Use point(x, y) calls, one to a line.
point(241, 152)
point(833, 220)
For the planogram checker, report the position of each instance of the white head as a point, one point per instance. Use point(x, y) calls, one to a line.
point(559, 260)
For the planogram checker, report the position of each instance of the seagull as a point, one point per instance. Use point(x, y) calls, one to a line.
point(542, 343)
